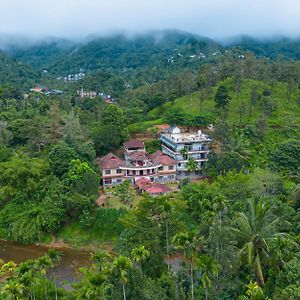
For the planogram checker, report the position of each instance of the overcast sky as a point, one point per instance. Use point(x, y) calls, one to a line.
point(212, 18)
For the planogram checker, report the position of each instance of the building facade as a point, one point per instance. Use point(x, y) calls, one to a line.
point(182, 146)
point(157, 167)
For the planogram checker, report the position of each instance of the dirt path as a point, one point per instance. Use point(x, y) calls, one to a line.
point(102, 199)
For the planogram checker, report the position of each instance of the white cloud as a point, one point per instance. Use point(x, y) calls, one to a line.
point(214, 18)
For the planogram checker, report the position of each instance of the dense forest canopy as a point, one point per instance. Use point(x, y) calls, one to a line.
point(235, 234)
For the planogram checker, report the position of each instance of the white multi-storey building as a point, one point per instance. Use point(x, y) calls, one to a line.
point(184, 145)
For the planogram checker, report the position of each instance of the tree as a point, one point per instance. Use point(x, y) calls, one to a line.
point(20, 174)
point(208, 268)
point(82, 179)
point(288, 280)
point(222, 98)
point(121, 265)
point(112, 116)
point(107, 138)
point(192, 165)
point(221, 165)
point(254, 292)
point(188, 242)
point(60, 157)
point(254, 231)
point(123, 191)
point(286, 158)
point(139, 254)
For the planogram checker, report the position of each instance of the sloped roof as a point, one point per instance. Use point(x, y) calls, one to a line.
point(142, 182)
point(157, 188)
point(134, 144)
point(173, 128)
point(110, 161)
point(137, 156)
point(159, 157)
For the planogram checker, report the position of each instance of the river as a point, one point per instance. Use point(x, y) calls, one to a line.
point(65, 270)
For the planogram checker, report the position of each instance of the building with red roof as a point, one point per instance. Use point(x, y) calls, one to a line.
point(152, 188)
point(110, 166)
point(157, 167)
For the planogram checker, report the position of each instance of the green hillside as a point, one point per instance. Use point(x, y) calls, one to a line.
point(273, 111)
point(14, 72)
point(275, 48)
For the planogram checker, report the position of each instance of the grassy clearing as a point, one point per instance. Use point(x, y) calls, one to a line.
point(105, 228)
point(113, 201)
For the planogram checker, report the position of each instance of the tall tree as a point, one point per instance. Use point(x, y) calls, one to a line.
point(254, 231)
point(222, 98)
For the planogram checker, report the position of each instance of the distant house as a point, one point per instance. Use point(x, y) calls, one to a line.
point(39, 89)
point(107, 98)
point(86, 94)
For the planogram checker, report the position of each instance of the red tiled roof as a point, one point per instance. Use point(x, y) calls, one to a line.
point(110, 161)
point(134, 144)
point(162, 127)
point(159, 157)
point(137, 156)
point(142, 182)
point(150, 187)
point(157, 188)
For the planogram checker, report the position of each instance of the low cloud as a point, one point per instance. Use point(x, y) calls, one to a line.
point(212, 18)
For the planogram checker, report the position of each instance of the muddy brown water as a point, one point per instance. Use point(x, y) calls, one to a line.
point(66, 270)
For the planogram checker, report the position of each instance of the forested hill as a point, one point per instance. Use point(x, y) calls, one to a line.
point(278, 48)
point(120, 52)
point(116, 52)
point(12, 71)
point(41, 54)
point(148, 57)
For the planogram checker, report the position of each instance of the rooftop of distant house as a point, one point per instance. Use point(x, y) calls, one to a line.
point(178, 136)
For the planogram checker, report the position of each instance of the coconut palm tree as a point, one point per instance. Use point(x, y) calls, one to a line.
point(121, 265)
point(139, 254)
point(208, 268)
point(102, 258)
point(254, 230)
point(188, 242)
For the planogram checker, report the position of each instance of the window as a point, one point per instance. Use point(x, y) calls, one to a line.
point(171, 167)
point(160, 168)
point(171, 177)
point(106, 172)
point(133, 172)
point(119, 171)
point(179, 165)
point(107, 181)
point(119, 180)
